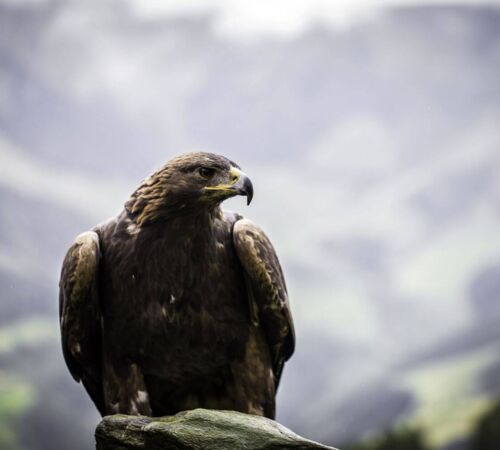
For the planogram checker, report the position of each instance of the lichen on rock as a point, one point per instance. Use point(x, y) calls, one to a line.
point(199, 429)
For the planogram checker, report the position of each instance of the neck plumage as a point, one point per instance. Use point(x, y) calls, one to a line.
point(153, 202)
point(177, 213)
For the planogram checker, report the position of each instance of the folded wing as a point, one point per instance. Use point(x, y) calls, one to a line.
point(80, 316)
point(267, 291)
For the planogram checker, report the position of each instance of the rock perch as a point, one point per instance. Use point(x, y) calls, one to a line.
point(199, 429)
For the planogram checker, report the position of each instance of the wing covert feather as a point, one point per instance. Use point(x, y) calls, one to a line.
point(79, 314)
point(268, 293)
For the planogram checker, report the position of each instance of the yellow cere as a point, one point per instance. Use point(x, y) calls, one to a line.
point(235, 176)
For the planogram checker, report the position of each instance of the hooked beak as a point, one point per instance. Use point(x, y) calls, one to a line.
point(242, 184)
point(239, 184)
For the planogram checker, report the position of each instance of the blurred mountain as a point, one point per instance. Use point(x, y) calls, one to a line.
point(374, 153)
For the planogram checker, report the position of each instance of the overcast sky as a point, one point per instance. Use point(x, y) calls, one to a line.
point(286, 18)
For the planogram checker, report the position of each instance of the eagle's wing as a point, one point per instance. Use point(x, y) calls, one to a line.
point(267, 291)
point(79, 315)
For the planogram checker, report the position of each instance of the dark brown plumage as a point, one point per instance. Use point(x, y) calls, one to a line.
point(175, 304)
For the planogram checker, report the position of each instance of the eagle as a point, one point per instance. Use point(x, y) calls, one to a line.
point(176, 304)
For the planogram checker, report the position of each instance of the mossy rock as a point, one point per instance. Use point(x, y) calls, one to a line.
point(199, 429)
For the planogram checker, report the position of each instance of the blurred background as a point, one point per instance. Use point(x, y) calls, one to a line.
point(371, 131)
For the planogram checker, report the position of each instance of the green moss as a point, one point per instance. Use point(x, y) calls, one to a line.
point(399, 439)
point(16, 397)
point(28, 332)
point(447, 404)
point(486, 435)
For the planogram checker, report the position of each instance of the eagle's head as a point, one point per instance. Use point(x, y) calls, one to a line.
point(188, 183)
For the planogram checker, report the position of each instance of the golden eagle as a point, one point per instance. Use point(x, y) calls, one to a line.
point(176, 304)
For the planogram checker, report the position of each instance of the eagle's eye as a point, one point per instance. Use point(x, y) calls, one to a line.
point(206, 172)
